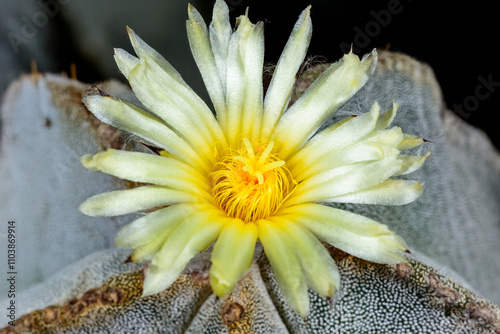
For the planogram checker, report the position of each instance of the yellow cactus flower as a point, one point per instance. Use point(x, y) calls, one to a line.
point(257, 169)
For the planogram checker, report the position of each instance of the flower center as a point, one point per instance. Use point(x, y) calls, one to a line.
point(251, 184)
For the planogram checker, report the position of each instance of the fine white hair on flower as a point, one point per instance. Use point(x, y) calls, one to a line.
point(255, 169)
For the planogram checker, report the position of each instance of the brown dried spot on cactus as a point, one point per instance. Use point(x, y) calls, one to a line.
point(448, 295)
point(232, 313)
point(404, 270)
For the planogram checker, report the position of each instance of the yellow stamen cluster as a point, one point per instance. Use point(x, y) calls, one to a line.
point(251, 185)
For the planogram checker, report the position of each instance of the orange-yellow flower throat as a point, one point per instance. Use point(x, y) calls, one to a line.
point(251, 184)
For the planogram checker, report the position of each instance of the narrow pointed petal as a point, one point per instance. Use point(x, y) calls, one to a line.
point(147, 228)
point(280, 89)
point(411, 163)
point(220, 34)
point(286, 267)
point(334, 138)
point(147, 251)
point(148, 168)
point(390, 137)
point(336, 182)
point(254, 92)
point(122, 202)
point(133, 119)
point(143, 50)
point(201, 48)
point(154, 91)
point(318, 266)
point(352, 233)
point(409, 141)
point(386, 118)
point(125, 61)
point(360, 152)
point(192, 236)
point(244, 94)
point(232, 255)
point(321, 100)
point(160, 77)
point(235, 89)
point(389, 192)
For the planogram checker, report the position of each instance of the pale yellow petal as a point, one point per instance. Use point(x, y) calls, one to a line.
point(280, 89)
point(336, 137)
point(121, 202)
point(411, 163)
point(253, 60)
point(131, 118)
point(244, 94)
point(328, 93)
point(160, 77)
point(148, 251)
point(390, 137)
point(220, 34)
point(201, 48)
point(166, 79)
point(386, 118)
point(286, 266)
point(232, 255)
point(352, 233)
point(125, 61)
point(157, 224)
point(389, 192)
point(318, 266)
point(148, 168)
point(194, 235)
point(144, 50)
point(154, 91)
point(409, 141)
point(344, 180)
point(359, 152)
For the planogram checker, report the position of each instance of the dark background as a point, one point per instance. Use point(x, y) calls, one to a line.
point(459, 40)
